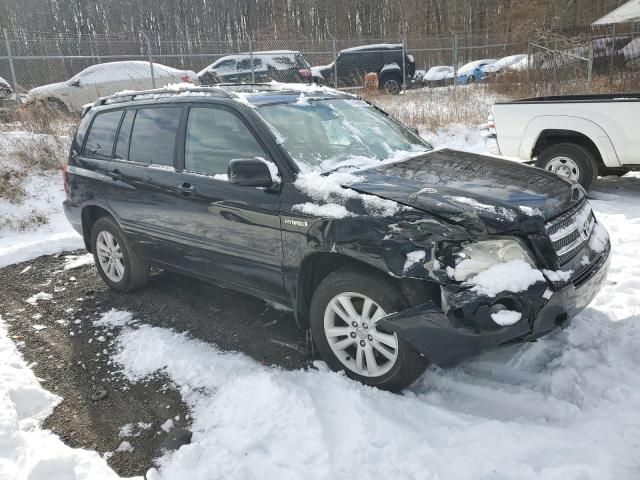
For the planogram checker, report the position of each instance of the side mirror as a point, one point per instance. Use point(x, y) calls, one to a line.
point(251, 172)
point(75, 83)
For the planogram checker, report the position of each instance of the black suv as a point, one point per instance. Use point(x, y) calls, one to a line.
point(278, 65)
point(392, 254)
point(352, 64)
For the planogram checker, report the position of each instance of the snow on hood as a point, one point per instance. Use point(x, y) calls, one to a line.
point(462, 186)
point(319, 70)
point(46, 90)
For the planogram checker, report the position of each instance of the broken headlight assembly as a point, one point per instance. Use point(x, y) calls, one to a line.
point(470, 259)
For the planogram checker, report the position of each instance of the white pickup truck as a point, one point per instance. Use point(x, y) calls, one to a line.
point(578, 136)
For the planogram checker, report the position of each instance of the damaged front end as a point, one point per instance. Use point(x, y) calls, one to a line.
point(469, 318)
point(467, 327)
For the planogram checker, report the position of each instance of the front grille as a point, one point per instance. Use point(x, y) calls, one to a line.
point(571, 231)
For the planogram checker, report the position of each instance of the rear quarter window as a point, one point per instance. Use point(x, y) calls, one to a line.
point(102, 134)
point(153, 138)
point(81, 133)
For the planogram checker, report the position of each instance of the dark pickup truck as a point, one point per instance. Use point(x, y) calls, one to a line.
point(392, 254)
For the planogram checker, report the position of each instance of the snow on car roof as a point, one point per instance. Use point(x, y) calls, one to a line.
point(471, 66)
point(374, 46)
point(127, 65)
point(268, 55)
point(504, 63)
point(248, 94)
point(439, 72)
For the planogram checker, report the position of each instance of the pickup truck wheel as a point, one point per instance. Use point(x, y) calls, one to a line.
point(570, 161)
point(344, 311)
point(118, 264)
point(391, 84)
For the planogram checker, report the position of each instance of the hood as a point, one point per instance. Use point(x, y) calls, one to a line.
point(46, 90)
point(483, 194)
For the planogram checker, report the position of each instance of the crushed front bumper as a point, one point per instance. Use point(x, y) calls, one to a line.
point(467, 328)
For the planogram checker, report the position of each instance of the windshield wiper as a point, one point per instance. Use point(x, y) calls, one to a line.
point(339, 168)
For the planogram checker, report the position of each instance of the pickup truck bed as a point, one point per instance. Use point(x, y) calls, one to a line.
point(576, 136)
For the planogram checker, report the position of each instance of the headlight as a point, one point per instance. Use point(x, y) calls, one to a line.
point(476, 257)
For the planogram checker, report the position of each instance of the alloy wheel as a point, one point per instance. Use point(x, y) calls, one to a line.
point(391, 86)
point(110, 256)
point(350, 327)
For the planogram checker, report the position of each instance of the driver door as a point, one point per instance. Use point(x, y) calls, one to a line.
point(228, 232)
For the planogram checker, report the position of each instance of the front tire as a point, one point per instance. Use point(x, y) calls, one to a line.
point(118, 264)
point(391, 84)
point(344, 310)
point(571, 161)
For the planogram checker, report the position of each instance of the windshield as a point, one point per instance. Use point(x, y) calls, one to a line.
point(330, 134)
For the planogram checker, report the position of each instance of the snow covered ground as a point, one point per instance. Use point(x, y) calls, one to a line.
point(26, 451)
point(565, 407)
point(44, 196)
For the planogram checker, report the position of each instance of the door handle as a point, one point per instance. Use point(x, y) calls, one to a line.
point(115, 174)
point(186, 189)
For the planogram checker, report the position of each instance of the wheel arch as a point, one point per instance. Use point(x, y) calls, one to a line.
point(317, 266)
point(89, 215)
point(551, 137)
point(545, 131)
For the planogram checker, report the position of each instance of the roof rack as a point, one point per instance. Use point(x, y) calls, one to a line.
point(224, 90)
point(130, 96)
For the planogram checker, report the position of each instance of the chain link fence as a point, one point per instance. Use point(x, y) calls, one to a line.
point(68, 71)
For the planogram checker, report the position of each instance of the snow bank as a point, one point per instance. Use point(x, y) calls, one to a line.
point(27, 452)
point(44, 196)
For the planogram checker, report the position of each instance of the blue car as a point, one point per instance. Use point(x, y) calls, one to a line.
point(472, 71)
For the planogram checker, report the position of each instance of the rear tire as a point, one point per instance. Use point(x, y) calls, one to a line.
point(570, 161)
point(391, 368)
point(118, 264)
point(55, 106)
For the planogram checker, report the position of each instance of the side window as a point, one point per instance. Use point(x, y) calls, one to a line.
point(225, 66)
point(78, 140)
point(103, 131)
point(245, 64)
point(214, 138)
point(153, 137)
point(122, 143)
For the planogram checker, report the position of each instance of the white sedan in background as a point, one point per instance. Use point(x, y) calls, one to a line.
point(438, 76)
point(106, 79)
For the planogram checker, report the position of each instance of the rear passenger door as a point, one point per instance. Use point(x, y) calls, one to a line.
point(144, 179)
point(228, 232)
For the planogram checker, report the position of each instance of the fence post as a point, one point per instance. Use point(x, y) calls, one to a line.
point(590, 67)
point(613, 47)
point(148, 43)
point(12, 67)
point(335, 64)
point(455, 59)
point(404, 66)
point(253, 74)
